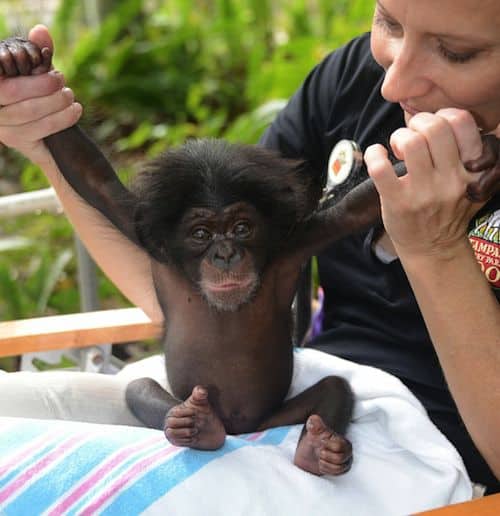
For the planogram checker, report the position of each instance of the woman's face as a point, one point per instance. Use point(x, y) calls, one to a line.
point(440, 54)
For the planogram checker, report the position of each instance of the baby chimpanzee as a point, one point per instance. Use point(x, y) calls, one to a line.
point(228, 229)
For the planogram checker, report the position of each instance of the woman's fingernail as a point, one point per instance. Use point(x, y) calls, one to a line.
point(68, 93)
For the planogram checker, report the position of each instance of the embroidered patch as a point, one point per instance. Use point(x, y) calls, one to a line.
point(485, 240)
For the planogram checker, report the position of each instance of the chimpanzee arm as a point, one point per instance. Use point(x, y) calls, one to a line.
point(90, 174)
point(359, 209)
point(78, 158)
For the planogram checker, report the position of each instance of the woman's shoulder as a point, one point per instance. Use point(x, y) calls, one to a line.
point(353, 62)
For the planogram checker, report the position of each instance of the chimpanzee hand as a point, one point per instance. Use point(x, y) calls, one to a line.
point(33, 104)
point(22, 57)
point(488, 163)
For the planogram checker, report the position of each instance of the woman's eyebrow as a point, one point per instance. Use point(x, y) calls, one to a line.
point(381, 7)
point(472, 38)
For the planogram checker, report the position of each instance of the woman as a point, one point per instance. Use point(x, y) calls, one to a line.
point(410, 297)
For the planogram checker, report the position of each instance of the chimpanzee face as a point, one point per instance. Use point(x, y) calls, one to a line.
point(223, 252)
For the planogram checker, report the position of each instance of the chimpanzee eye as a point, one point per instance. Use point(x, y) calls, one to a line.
point(201, 234)
point(242, 230)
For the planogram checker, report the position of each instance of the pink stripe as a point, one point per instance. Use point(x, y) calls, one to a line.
point(38, 467)
point(22, 454)
point(254, 437)
point(126, 478)
point(101, 472)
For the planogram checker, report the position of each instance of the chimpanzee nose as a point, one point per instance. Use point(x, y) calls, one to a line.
point(225, 255)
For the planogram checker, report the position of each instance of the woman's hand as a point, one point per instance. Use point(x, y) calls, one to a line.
point(427, 211)
point(35, 106)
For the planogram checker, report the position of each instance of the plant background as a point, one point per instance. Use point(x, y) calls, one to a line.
point(151, 74)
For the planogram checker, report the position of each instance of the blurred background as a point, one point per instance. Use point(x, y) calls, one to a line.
point(151, 74)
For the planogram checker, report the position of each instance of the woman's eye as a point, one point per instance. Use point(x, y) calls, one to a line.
point(201, 234)
point(456, 57)
point(242, 230)
point(387, 24)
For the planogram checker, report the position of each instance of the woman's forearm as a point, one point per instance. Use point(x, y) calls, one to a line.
point(124, 263)
point(463, 318)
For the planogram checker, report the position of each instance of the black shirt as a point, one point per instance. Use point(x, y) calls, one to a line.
point(371, 315)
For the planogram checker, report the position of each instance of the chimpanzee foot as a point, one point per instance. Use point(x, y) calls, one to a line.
point(194, 423)
point(322, 452)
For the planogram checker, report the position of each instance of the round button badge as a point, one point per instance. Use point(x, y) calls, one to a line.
point(346, 157)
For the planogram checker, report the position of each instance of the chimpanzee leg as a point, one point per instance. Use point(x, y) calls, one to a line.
point(192, 423)
point(326, 408)
point(331, 398)
point(149, 402)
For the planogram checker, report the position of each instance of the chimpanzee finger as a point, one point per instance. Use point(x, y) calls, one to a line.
point(335, 458)
point(326, 468)
point(21, 57)
point(46, 63)
point(489, 157)
point(180, 422)
point(486, 186)
point(7, 61)
point(34, 53)
point(180, 433)
point(338, 444)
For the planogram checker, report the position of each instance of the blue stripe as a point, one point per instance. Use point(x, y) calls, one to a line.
point(160, 479)
point(98, 487)
point(55, 483)
point(18, 435)
point(26, 463)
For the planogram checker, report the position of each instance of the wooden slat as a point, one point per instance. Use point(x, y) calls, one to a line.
point(75, 331)
point(487, 506)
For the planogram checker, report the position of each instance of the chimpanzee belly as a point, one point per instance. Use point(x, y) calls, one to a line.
point(243, 388)
point(243, 357)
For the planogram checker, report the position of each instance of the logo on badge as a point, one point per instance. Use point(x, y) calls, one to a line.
point(345, 158)
point(485, 240)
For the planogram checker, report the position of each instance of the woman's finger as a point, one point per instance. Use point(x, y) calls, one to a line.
point(16, 89)
point(466, 132)
point(34, 109)
point(413, 148)
point(440, 140)
point(381, 170)
point(39, 129)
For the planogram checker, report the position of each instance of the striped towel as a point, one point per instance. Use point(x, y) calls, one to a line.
point(403, 464)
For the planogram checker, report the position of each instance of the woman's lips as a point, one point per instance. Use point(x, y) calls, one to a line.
point(410, 110)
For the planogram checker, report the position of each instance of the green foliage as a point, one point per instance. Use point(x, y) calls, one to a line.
point(27, 281)
point(165, 71)
point(36, 263)
point(151, 74)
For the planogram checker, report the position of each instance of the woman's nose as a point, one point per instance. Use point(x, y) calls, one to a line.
point(406, 74)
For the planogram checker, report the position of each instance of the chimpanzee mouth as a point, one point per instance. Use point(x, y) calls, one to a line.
point(224, 282)
point(230, 291)
point(228, 285)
